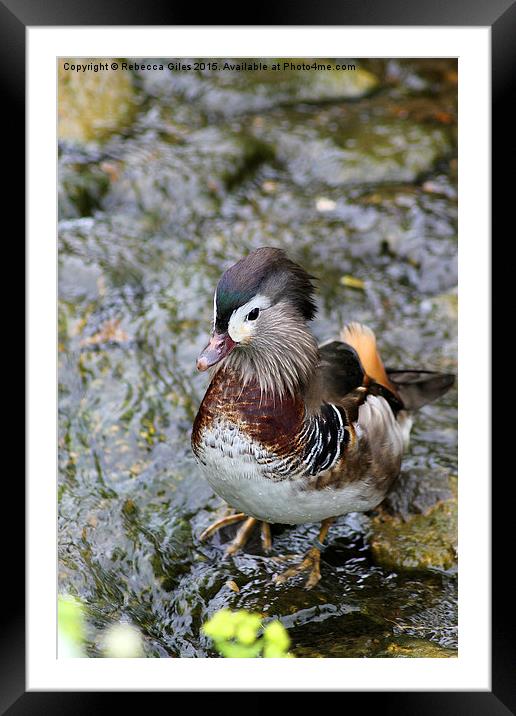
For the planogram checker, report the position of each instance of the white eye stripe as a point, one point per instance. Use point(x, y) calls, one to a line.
point(238, 327)
point(258, 301)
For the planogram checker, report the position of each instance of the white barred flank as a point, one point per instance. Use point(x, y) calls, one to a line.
point(281, 489)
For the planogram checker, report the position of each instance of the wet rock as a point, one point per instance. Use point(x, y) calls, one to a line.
point(78, 279)
point(229, 92)
point(354, 636)
point(436, 624)
point(417, 490)
point(177, 183)
point(359, 151)
point(360, 645)
point(444, 307)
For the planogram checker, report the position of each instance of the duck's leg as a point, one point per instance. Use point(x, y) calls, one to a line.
point(218, 524)
point(241, 536)
point(266, 537)
point(311, 561)
point(243, 533)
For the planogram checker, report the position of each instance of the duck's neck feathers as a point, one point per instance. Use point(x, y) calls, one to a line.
point(282, 367)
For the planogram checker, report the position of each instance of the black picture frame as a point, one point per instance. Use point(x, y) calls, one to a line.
point(500, 16)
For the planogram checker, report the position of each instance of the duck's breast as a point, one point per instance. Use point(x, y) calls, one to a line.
point(274, 462)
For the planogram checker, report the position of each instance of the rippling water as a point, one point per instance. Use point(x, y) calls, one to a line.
point(353, 177)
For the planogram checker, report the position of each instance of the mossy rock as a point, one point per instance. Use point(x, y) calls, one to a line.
point(420, 542)
point(233, 90)
point(361, 152)
point(410, 648)
point(92, 105)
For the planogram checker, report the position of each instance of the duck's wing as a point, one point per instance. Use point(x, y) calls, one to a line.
point(352, 362)
point(340, 370)
point(352, 368)
point(344, 381)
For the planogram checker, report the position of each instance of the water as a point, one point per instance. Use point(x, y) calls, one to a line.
point(352, 177)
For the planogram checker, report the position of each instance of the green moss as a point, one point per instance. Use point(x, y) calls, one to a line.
point(92, 105)
point(420, 542)
point(411, 648)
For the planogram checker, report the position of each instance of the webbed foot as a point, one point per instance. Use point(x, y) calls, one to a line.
point(311, 565)
point(311, 562)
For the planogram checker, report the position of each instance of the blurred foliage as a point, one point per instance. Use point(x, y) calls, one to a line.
point(70, 627)
point(241, 635)
point(120, 640)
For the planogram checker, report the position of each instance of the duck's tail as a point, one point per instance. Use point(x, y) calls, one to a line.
point(415, 388)
point(419, 387)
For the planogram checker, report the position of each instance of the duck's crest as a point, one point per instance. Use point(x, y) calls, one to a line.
point(267, 271)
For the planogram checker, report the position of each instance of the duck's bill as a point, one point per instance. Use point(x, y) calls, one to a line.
point(220, 345)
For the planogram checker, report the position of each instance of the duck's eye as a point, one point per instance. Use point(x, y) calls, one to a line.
point(253, 315)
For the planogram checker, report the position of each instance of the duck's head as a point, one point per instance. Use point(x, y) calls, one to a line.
point(261, 308)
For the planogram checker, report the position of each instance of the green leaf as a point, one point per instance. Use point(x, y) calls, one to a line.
point(70, 619)
point(221, 625)
point(236, 635)
point(276, 636)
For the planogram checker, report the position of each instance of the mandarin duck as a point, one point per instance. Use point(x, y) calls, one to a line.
point(290, 431)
